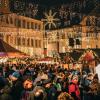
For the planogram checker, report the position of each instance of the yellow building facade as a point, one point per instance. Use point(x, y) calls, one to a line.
point(23, 33)
point(88, 35)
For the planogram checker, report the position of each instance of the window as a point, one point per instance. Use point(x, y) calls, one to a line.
point(23, 41)
point(28, 42)
point(35, 26)
point(78, 41)
point(15, 22)
point(88, 22)
point(7, 20)
point(1, 36)
point(1, 18)
point(36, 43)
point(71, 42)
point(19, 23)
point(24, 23)
point(32, 42)
point(28, 26)
point(32, 26)
point(18, 41)
point(39, 43)
point(39, 27)
point(11, 20)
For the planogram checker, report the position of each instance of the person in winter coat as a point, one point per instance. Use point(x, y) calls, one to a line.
point(16, 85)
point(74, 88)
point(6, 93)
point(95, 89)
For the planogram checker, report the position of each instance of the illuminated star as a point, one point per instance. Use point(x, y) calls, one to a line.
point(49, 19)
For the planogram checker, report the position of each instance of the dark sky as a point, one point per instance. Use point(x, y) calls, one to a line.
point(70, 14)
point(50, 2)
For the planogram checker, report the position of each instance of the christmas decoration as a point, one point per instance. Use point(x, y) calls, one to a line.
point(49, 19)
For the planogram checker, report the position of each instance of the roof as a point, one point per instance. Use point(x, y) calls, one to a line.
point(76, 54)
point(8, 50)
point(4, 47)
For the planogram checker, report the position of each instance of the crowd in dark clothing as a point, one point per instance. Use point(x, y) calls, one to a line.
point(47, 82)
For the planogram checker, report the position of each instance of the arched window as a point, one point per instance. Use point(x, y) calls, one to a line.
point(28, 42)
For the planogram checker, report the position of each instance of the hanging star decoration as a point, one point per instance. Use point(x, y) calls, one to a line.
point(50, 19)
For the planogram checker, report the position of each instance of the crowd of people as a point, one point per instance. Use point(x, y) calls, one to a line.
point(47, 82)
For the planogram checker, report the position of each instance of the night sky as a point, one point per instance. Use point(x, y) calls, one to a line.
point(69, 12)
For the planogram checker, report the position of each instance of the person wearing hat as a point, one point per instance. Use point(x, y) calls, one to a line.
point(16, 85)
point(14, 76)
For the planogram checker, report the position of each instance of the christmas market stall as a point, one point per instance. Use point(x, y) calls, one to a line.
point(47, 60)
point(9, 53)
point(7, 50)
point(89, 58)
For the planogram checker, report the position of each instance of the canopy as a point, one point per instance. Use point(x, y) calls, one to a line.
point(76, 54)
point(7, 50)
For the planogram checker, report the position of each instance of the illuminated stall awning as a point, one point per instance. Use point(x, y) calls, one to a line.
point(7, 50)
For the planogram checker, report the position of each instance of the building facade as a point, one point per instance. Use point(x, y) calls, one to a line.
point(23, 33)
point(29, 36)
point(82, 36)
